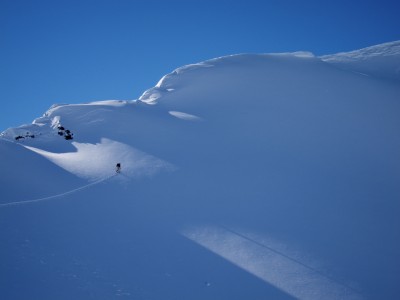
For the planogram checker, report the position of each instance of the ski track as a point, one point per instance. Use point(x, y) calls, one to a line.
point(54, 197)
point(286, 273)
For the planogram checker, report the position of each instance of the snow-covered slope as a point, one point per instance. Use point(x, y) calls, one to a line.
point(271, 176)
point(380, 61)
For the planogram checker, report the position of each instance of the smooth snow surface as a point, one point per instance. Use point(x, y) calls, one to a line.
point(251, 176)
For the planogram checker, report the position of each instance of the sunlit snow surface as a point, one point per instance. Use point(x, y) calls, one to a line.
point(95, 161)
point(261, 258)
point(252, 176)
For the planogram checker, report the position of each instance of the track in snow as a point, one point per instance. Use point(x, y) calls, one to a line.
point(54, 197)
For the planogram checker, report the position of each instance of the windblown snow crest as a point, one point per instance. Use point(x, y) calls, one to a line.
point(170, 82)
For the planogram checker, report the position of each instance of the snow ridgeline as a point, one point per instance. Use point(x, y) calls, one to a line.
point(381, 61)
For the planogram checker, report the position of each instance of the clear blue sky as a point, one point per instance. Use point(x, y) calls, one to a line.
point(79, 51)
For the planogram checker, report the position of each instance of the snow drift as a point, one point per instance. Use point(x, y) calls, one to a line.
point(246, 176)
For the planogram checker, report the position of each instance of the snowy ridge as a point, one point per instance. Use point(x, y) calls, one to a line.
point(381, 61)
point(382, 50)
point(181, 76)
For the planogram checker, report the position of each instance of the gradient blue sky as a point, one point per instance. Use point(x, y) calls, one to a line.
point(80, 51)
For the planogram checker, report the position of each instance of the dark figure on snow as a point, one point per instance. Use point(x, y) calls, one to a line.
point(118, 168)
